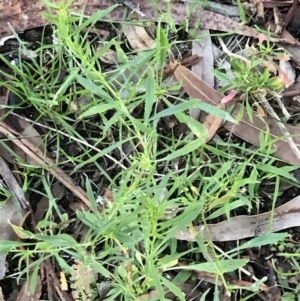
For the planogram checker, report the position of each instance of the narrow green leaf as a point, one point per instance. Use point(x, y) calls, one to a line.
point(194, 125)
point(172, 110)
point(163, 45)
point(156, 281)
point(186, 149)
point(63, 264)
point(149, 95)
point(281, 171)
point(263, 240)
point(7, 245)
point(98, 109)
point(213, 110)
point(220, 75)
point(24, 234)
point(93, 88)
point(91, 196)
point(173, 288)
point(219, 267)
point(242, 12)
point(60, 240)
point(98, 16)
point(203, 296)
point(139, 125)
point(96, 266)
point(34, 278)
point(231, 206)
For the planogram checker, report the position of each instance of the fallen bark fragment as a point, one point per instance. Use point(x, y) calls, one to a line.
point(244, 226)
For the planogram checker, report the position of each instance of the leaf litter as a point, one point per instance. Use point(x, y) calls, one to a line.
point(243, 226)
point(212, 113)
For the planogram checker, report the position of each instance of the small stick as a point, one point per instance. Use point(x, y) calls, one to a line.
point(229, 53)
point(282, 107)
point(36, 154)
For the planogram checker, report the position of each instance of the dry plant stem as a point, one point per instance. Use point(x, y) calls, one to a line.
point(281, 105)
point(229, 53)
point(37, 155)
point(282, 127)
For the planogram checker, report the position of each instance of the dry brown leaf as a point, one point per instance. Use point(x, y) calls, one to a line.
point(248, 130)
point(187, 62)
point(271, 66)
point(271, 3)
point(244, 283)
point(213, 123)
point(50, 288)
point(76, 206)
point(289, 39)
point(3, 103)
point(186, 78)
point(189, 80)
point(279, 21)
point(63, 281)
point(138, 37)
point(5, 153)
point(294, 52)
point(244, 226)
point(291, 46)
point(260, 110)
